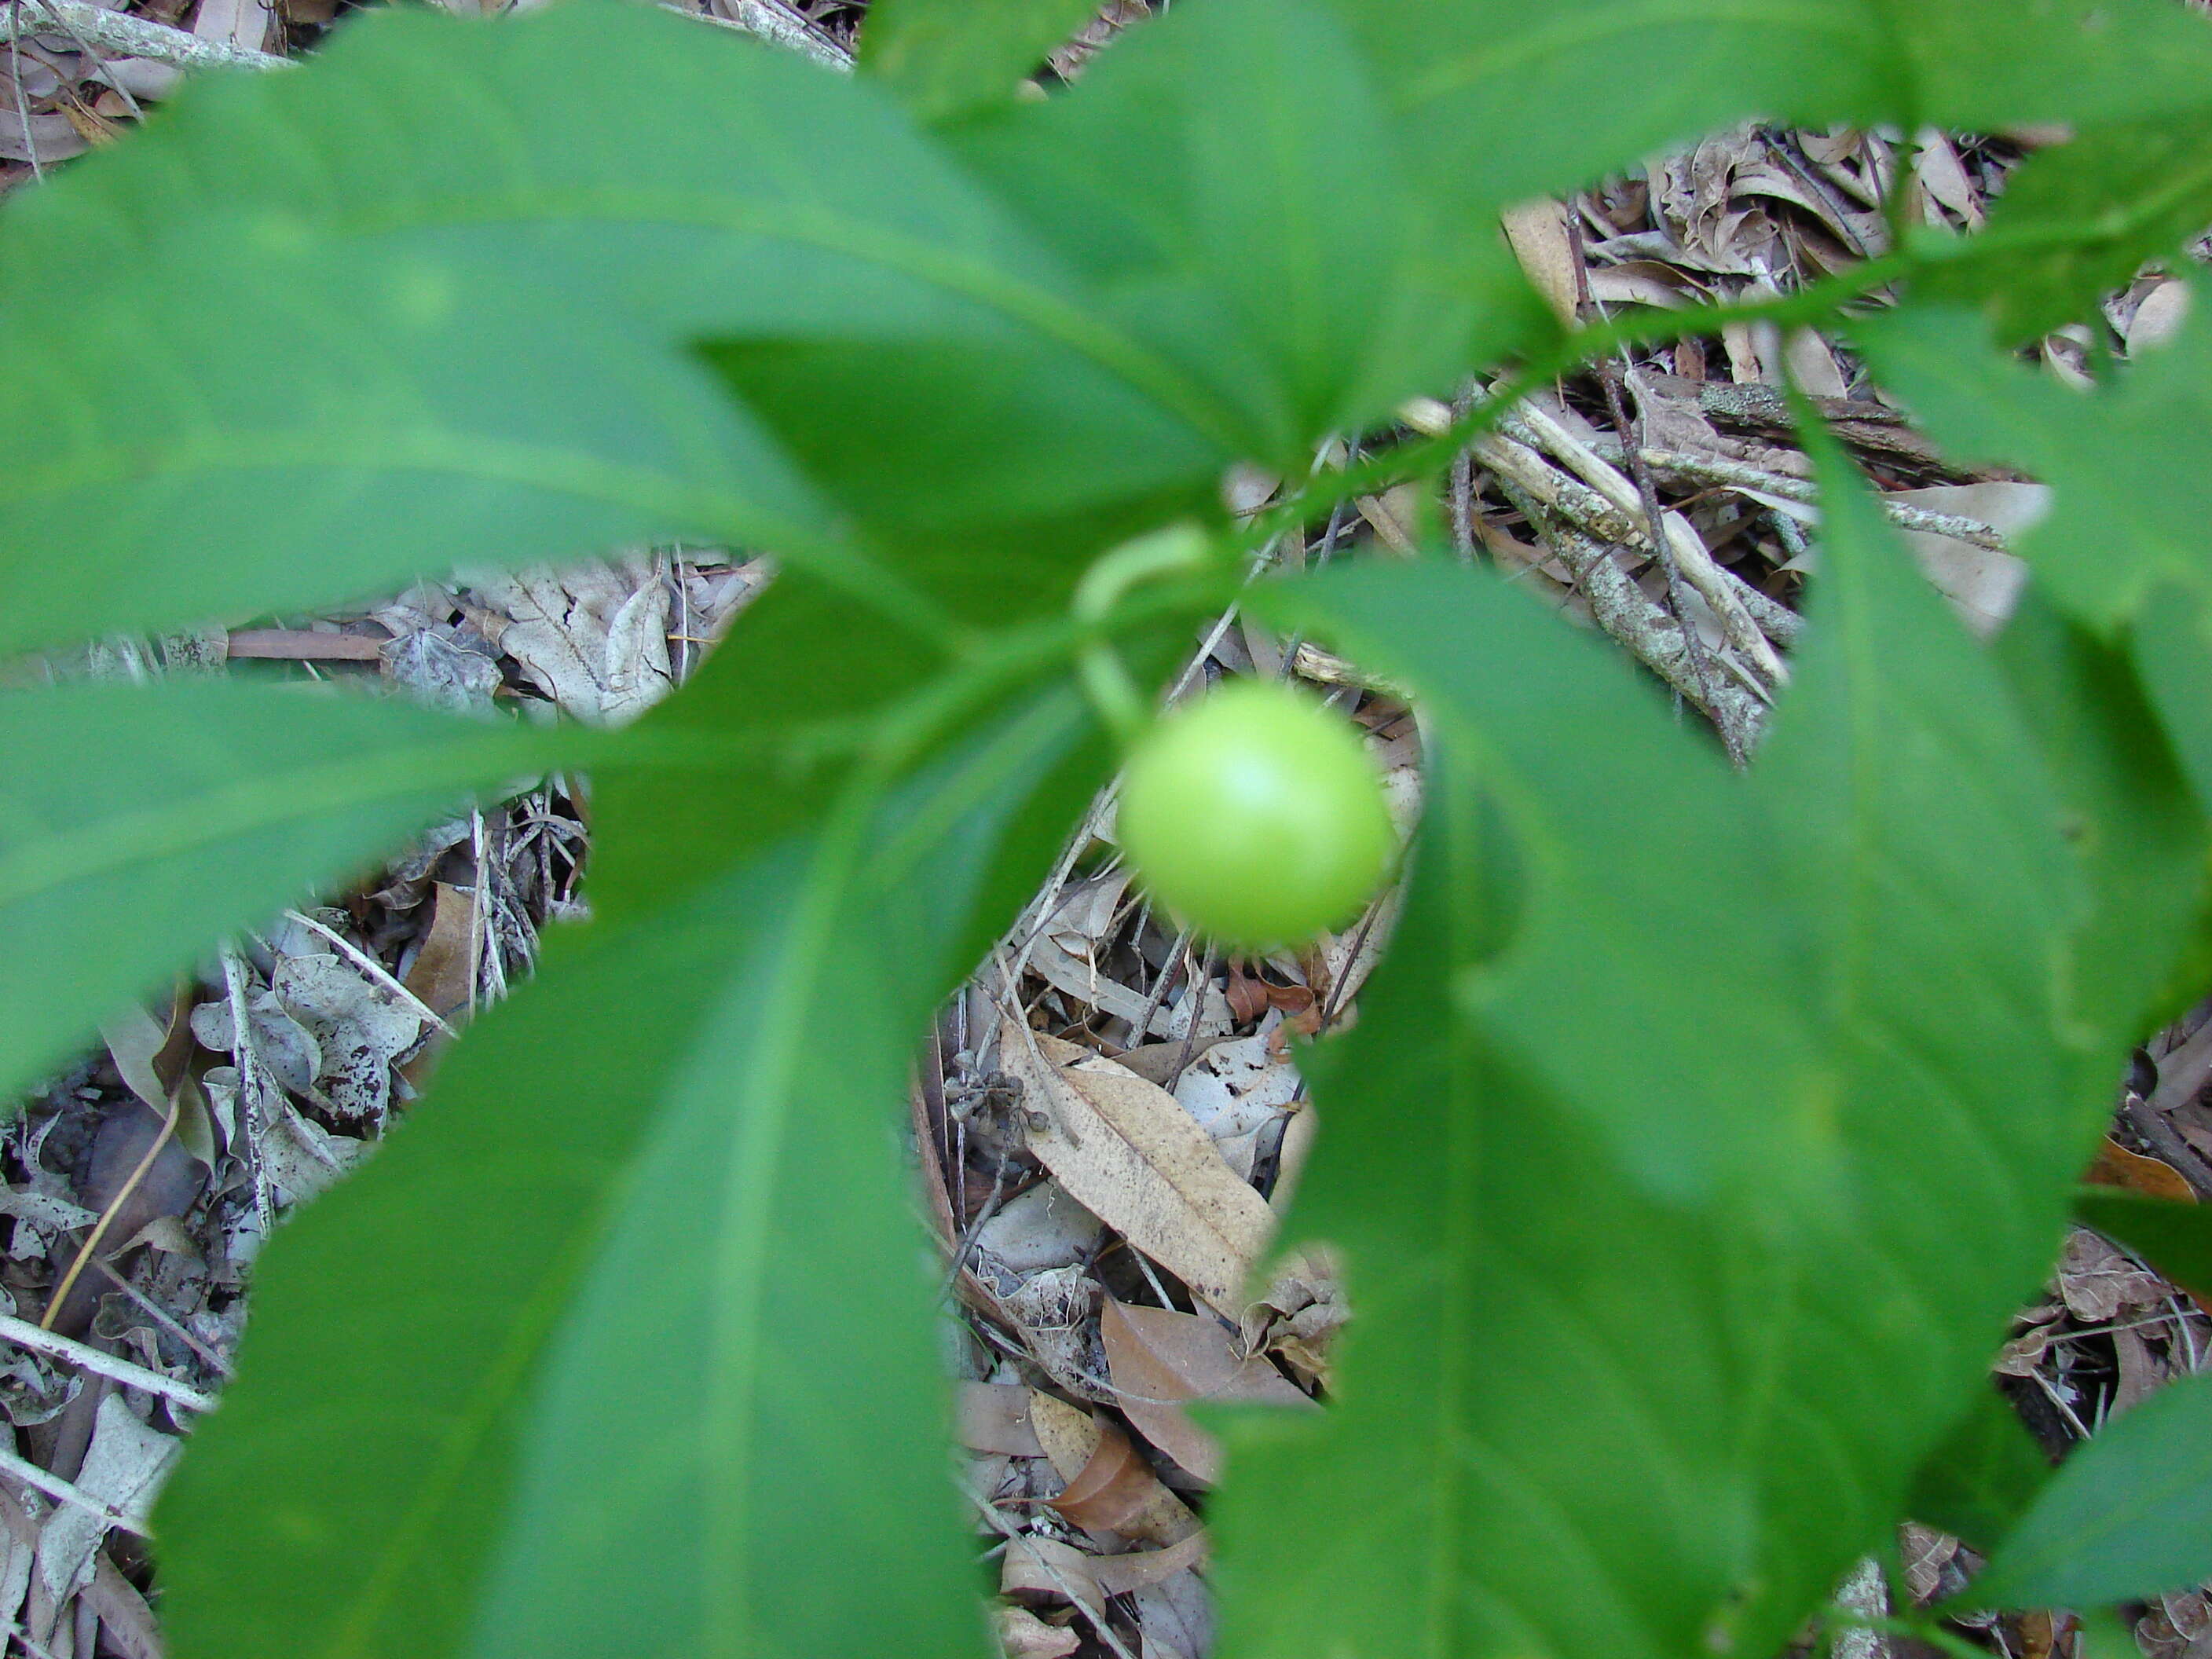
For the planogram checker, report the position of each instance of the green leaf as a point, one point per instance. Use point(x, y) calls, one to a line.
point(458, 346)
point(2130, 496)
point(1813, 1225)
point(1227, 245)
point(225, 461)
point(2174, 1238)
point(946, 57)
point(1982, 1478)
point(139, 825)
point(1494, 95)
point(2128, 1515)
point(557, 1350)
point(2077, 221)
point(2172, 641)
point(2131, 818)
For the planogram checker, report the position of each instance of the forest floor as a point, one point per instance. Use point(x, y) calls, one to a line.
point(1071, 1348)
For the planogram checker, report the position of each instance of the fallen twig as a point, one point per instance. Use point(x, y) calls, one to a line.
point(127, 36)
point(24, 1334)
point(130, 36)
point(1720, 473)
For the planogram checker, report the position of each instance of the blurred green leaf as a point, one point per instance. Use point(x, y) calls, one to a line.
point(2128, 1515)
point(2131, 819)
point(555, 1358)
point(1813, 1231)
point(2077, 221)
point(507, 375)
point(140, 824)
point(2172, 641)
point(2174, 1238)
point(1494, 94)
point(1200, 174)
point(945, 58)
point(1983, 1477)
point(2130, 495)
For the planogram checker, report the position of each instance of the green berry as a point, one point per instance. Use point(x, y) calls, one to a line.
point(1256, 815)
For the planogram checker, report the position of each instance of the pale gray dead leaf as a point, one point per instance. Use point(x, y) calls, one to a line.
point(45, 139)
point(133, 1038)
point(2160, 316)
point(1042, 1227)
point(1982, 584)
point(123, 1468)
point(1236, 1090)
point(1022, 1635)
point(1094, 1577)
point(1943, 177)
point(300, 1158)
point(1079, 975)
point(35, 1391)
point(19, 1555)
point(361, 1028)
point(142, 77)
point(594, 638)
point(1053, 1309)
point(286, 1050)
point(2098, 1283)
point(1176, 1617)
point(443, 668)
point(994, 1417)
point(248, 23)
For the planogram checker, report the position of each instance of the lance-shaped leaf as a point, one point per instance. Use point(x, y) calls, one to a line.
point(552, 1364)
point(1747, 1275)
point(947, 57)
point(485, 308)
point(1189, 177)
point(2176, 1239)
point(139, 825)
point(2172, 646)
point(2134, 821)
point(1980, 1480)
point(2128, 1515)
point(1494, 94)
point(2130, 495)
point(2077, 221)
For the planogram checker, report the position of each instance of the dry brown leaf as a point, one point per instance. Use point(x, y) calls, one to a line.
point(2099, 1283)
point(1155, 1355)
point(1110, 1488)
point(1303, 1308)
point(1538, 232)
point(439, 975)
point(1022, 1635)
point(1132, 1157)
point(1030, 1563)
point(1983, 586)
point(1068, 1434)
point(1079, 975)
point(994, 1417)
point(1157, 1062)
point(2116, 1166)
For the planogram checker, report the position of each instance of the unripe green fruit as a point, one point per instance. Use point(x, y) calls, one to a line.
point(1256, 816)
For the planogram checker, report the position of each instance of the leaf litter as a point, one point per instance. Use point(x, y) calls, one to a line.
point(1105, 1115)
